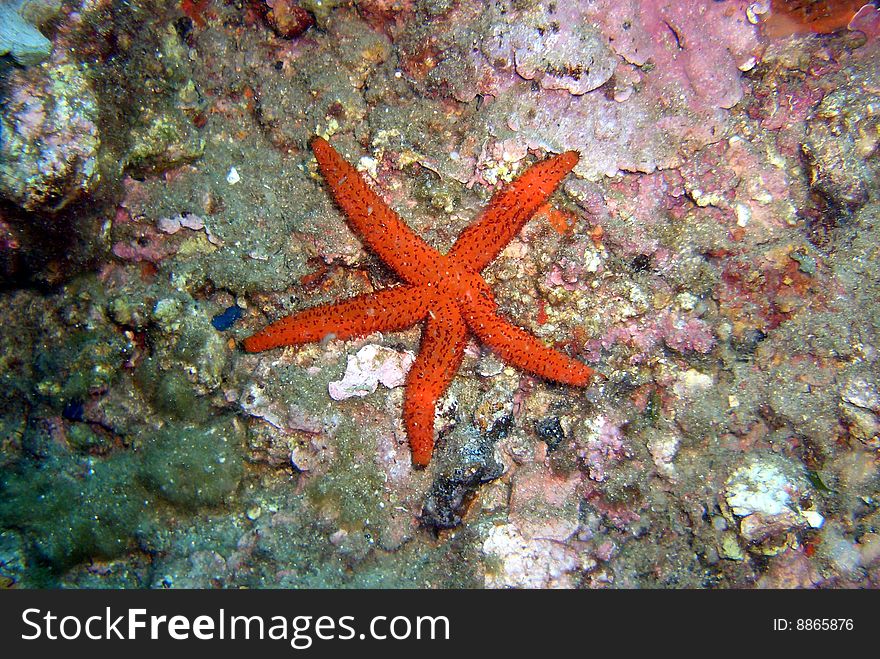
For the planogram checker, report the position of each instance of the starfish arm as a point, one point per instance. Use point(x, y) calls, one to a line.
point(384, 311)
point(519, 348)
point(373, 221)
point(509, 210)
point(440, 355)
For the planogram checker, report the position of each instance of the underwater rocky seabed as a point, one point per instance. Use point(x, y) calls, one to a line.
point(713, 255)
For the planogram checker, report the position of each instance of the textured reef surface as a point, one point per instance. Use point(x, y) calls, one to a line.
point(713, 256)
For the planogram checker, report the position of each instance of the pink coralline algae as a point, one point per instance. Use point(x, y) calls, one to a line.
point(151, 243)
point(150, 246)
point(678, 331)
point(567, 273)
point(49, 138)
point(697, 48)
point(603, 448)
point(544, 505)
point(189, 221)
point(640, 89)
point(682, 333)
point(643, 199)
point(186, 221)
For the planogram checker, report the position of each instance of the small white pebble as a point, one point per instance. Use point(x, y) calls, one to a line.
point(743, 214)
point(233, 177)
point(748, 65)
point(814, 518)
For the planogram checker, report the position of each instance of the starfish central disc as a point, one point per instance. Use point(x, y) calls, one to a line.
point(447, 292)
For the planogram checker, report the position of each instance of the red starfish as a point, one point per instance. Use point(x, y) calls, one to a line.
point(447, 291)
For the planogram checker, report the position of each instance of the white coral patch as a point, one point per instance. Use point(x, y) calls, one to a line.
point(371, 365)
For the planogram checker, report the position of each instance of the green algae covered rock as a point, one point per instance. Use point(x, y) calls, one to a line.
point(171, 393)
point(79, 363)
point(77, 512)
point(163, 141)
point(192, 465)
point(186, 337)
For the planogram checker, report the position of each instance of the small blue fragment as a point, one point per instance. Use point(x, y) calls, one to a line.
point(223, 321)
